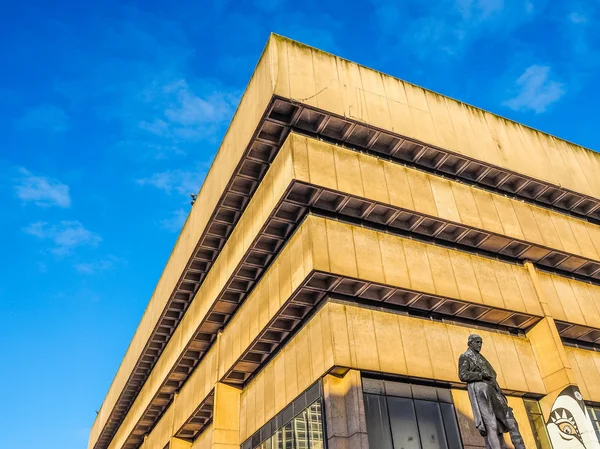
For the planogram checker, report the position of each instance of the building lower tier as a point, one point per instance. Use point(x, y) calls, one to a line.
point(354, 375)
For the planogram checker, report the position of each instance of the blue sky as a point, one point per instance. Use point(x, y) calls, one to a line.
point(110, 114)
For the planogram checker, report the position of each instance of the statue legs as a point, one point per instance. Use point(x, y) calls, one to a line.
point(493, 437)
point(513, 429)
point(496, 417)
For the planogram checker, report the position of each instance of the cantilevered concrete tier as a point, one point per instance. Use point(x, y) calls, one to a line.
point(331, 179)
point(328, 257)
point(446, 211)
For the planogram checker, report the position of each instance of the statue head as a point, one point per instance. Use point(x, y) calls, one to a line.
point(475, 342)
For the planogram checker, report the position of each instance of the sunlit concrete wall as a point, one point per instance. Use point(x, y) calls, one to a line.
point(358, 338)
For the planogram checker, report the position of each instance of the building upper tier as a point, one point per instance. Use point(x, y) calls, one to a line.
point(329, 83)
point(302, 89)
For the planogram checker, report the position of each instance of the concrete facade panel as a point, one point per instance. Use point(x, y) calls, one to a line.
point(440, 263)
point(284, 380)
point(571, 300)
point(586, 366)
point(500, 142)
point(337, 168)
point(429, 349)
point(314, 251)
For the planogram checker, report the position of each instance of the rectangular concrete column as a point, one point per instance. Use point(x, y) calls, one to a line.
point(552, 360)
point(549, 350)
point(562, 390)
point(226, 417)
point(345, 412)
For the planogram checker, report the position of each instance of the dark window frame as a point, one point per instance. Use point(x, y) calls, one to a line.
point(594, 414)
point(533, 411)
point(307, 399)
point(387, 393)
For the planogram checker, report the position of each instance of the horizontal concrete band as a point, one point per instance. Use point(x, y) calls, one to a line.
point(322, 81)
point(329, 83)
point(292, 163)
point(378, 341)
point(346, 253)
point(572, 301)
point(512, 228)
point(283, 58)
point(301, 118)
point(586, 367)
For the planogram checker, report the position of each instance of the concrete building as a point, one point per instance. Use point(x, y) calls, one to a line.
point(351, 233)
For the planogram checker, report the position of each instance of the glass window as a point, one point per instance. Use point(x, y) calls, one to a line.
point(267, 444)
point(315, 426)
point(378, 422)
point(594, 413)
point(285, 437)
point(431, 428)
point(538, 425)
point(405, 432)
point(304, 431)
point(450, 426)
point(301, 431)
point(420, 421)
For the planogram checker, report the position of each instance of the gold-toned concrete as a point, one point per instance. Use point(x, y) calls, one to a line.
point(226, 417)
point(345, 412)
point(161, 434)
point(469, 433)
point(342, 87)
point(338, 248)
point(397, 344)
point(259, 208)
point(243, 125)
point(383, 258)
point(460, 275)
point(333, 167)
point(552, 361)
point(285, 274)
point(305, 358)
point(177, 443)
point(388, 261)
point(365, 339)
point(571, 300)
point(586, 369)
point(307, 75)
point(204, 440)
point(548, 348)
point(296, 261)
point(196, 389)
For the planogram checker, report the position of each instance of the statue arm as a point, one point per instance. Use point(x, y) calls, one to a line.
point(466, 373)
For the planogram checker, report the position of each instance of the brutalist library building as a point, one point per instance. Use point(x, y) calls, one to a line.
point(353, 235)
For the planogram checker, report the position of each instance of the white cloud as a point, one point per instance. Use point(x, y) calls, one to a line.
point(65, 236)
point(105, 264)
point(180, 181)
point(479, 9)
point(41, 190)
point(45, 117)
point(188, 113)
point(535, 90)
point(447, 27)
point(159, 108)
point(576, 17)
point(175, 221)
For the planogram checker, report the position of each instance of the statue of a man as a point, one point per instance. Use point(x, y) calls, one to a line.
point(493, 416)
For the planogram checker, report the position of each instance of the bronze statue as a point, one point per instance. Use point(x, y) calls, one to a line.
point(493, 416)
